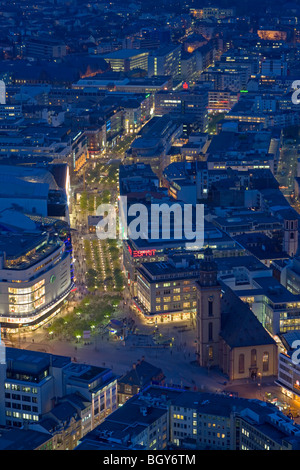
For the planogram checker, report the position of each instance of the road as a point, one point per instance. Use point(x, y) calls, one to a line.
point(287, 168)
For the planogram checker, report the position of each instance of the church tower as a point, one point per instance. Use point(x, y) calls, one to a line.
point(208, 321)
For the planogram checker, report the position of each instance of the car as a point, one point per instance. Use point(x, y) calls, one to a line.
point(230, 393)
point(281, 405)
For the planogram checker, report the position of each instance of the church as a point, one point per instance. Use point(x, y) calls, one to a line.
point(229, 335)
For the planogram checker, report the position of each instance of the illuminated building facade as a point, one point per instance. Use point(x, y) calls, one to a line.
point(127, 59)
point(166, 290)
point(163, 416)
point(165, 61)
point(36, 278)
point(219, 422)
point(137, 252)
point(34, 384)
point(189, 103)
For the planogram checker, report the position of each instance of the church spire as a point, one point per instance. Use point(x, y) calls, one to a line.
point(208, 269)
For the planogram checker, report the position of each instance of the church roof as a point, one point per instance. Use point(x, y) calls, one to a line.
point(239, 326)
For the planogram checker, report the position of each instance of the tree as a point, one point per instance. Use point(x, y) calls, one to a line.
point(83, 200)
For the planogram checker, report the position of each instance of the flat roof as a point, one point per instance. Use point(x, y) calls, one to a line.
point(32, 361)
point(22, 439)
point(124, 54)
point(248, 261)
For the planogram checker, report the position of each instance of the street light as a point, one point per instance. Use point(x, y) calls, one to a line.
point(259, 382)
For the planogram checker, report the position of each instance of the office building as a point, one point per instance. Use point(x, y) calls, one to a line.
point(35, 269)
point(165, 61)
point(126, 60)
point(161, 418)
point(36, 387)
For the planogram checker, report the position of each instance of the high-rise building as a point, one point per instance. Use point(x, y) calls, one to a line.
point(165, 61)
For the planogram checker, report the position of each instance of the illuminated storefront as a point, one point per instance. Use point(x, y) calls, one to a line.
point(166, 291)
point(31, 295)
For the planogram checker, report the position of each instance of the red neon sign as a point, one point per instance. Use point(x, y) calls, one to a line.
point(141, 253)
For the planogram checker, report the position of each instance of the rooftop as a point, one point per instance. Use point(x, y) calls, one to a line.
point(124, 54)
point(21, 439)
point(33, 361)
point(141, 374)
point(240, 327)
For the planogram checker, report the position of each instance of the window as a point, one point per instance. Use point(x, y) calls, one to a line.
point(210, 331)
point(241, 363)
point(253, 357)
point(266, 362)
point(210, 308)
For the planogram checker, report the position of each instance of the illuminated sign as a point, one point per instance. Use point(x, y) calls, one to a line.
point(141, 253)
